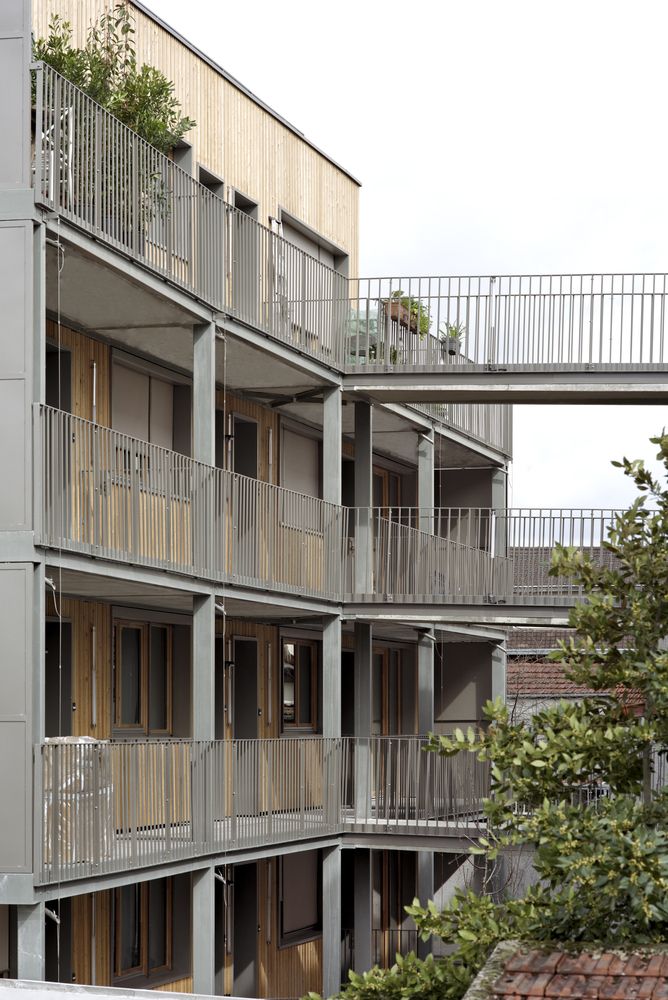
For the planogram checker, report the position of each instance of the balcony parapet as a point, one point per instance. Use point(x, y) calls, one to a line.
point(115, 806)
point(115, 497)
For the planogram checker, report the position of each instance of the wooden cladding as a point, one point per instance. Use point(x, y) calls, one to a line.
point(85, 352)
point(236, 138)
point(282, 971)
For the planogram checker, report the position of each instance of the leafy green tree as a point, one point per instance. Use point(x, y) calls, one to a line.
point(574, 784)
point(106, 69)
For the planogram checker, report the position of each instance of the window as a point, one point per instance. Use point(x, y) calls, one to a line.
point(151, 931)
point(302, 463)
point(143, 678)
point(300, 896)
point(300, 662)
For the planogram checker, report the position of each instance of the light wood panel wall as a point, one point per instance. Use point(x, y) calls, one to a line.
point(267, 420)
point(84, 615)
point(235, 137)
point(267, 636)
point(82, 941)
point(85, 351)
point(82, 908)
point(282, 972)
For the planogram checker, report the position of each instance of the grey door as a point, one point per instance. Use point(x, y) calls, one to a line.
point(247, 761)
point(58, 679)
point(245, 931)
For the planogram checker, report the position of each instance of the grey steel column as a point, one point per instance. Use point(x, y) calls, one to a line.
point(331, 921)
point(362, 717)
point(500, 503)
point(204, 393)
point(424, 890)
point(203, 931)
point(363, 908)
point(425, 859)
point(331, 491)
point(331, 446)
point(425, 674)
point(331, 677)
point(363, 497)
point(425, 481)
point(30, 962)
point(203, 668)
point(498, 670)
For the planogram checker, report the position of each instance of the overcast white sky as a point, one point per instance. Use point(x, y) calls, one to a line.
point(490, 138)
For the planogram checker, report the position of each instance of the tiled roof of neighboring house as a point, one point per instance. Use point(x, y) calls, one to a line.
point(535, 638)
point(531, 568)
point(541, 679)
point(515, 972)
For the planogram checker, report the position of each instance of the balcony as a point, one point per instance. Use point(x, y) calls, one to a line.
point(119, 498)
point(110, 807)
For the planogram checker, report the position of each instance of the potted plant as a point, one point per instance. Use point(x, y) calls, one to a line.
point(450, 335)
point(409, 312)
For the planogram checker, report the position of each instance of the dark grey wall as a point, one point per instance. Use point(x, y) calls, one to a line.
point(463, 675)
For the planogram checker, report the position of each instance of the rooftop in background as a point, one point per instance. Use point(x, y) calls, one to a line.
point(518, 972)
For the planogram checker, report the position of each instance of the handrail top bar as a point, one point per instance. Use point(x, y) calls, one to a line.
point(519, 275)
point(188, 178)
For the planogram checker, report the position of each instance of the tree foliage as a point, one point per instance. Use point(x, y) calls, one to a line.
point(106, 69)
point(568, 784)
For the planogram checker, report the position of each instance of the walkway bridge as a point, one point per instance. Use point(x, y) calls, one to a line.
point(504, 338)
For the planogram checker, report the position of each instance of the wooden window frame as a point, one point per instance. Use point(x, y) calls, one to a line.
point(302, 934)
point(312, 726)
point(142, 970)
point(143, 729)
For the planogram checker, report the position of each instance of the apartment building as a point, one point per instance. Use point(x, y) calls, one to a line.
point(254, 539)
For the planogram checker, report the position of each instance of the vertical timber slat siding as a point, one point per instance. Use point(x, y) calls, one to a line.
point(235, 137)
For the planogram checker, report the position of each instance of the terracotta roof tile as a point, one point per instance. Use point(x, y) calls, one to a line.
point(530, 973)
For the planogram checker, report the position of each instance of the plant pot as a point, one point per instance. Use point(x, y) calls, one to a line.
point(399, 313)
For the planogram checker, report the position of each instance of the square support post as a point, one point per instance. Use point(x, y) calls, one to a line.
point(425, 673)
point(331, 446)
point(331, 921)
point(203, 667)
point(363, 498)
point(331, 677)
point(363, 909)
point(425, 482)
point(204, 393)
point(203, 932)
point(424, 891)
point(30, 942)
point(362, 716)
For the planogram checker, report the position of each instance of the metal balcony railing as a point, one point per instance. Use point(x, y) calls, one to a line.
point(110, 495)
point(112, 806)
point(488, 423)
point(508, 321)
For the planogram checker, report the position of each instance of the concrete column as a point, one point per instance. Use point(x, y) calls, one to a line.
point(331, 446)
point(30, 944)
point(331, 921)
point(498, 670)
point(203, 932)
point(203, 668)
point(363, 710)
point(331, 677)
point(15, 58)
point(425, 481)
point(425, 677)
point(204, 393)
point(363, 889)
point(363, 497)
point(424, 890)
point(500, 503)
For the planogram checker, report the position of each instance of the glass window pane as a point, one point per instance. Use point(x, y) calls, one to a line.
point(158, 683)
point(300, 885)
point(305, 685)
point(288, 682)
point(130, 667)
point(157, 924)
point(129, 899)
